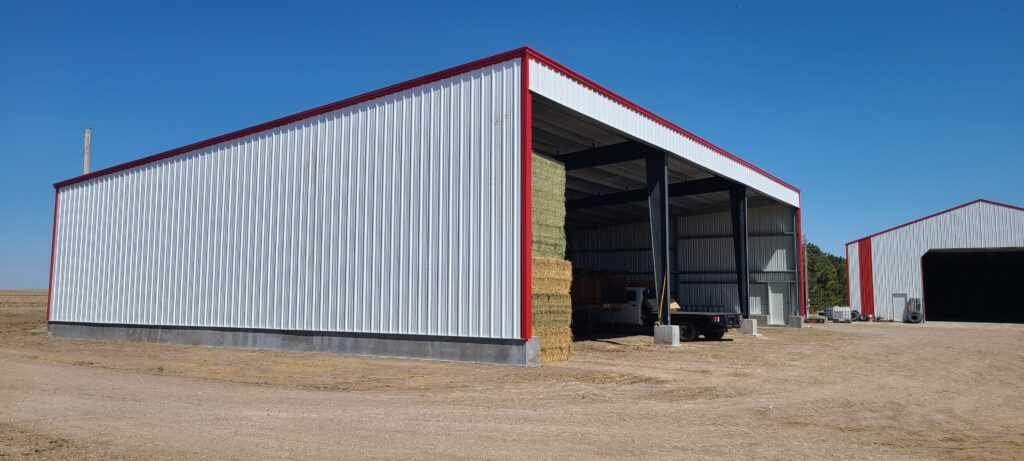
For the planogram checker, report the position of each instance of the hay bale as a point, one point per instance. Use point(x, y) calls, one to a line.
point(549, 171)
point(548, 233)
point(549, 250)
point(552, 268)
point(552, 308)
point(548, 208)
point(556, 346)
point(548, 241)
point(551, 312)
point(551, 299)
point(551, 276)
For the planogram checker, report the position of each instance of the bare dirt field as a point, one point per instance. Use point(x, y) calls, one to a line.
point(860, 391)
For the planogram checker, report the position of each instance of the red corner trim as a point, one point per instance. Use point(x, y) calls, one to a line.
point(867, 277)
point(526, 204)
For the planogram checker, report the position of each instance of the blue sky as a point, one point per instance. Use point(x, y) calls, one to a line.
point(880, 112)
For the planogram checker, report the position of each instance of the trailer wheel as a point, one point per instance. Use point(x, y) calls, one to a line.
point(714, 335)
point(687, 332)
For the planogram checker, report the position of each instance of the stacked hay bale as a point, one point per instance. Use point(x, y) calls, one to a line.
point(552, 274)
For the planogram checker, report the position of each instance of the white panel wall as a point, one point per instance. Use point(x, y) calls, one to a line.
point(853, 264)
point(397, 215)
point(896, 255)
point(556, 86)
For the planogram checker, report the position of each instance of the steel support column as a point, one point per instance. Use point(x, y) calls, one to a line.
point(738, 208)
point(657, 200)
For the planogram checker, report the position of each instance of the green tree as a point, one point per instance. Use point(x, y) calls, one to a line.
point(826, 278)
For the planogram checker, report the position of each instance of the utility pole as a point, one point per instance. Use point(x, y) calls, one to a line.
point(88, 137)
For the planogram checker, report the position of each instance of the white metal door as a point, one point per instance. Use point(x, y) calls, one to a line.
point(776, 304)
point(899, 305)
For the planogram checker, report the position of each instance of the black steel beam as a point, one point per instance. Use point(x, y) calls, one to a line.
point(679, 189)
point(699, 186)
point(738, 208)
point(657, 202)
point(617, 198)
point(616, 153)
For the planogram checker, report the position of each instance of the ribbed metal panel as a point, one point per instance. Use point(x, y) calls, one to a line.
point(560, 88)
point(706, 254)
point(764, 277)
point(721, 296)
point(628, 248)
point(706, 246)
point(760, 220)
point(758, 298)
point(853, 279)
point(702, 256)
point(708, 241)
point(627, 261)
point(896, 255)
point(629, 236)
point(397, 215)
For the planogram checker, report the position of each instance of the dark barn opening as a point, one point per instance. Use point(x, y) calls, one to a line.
point(973, 285)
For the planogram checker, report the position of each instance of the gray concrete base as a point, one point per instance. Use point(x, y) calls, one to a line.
point(666, 334)
point(483, 350)
point(749, 327)
point(795, 321)
point(762, 320)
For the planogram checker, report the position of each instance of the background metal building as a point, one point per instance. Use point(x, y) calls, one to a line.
point(959, 263)
point(392, 222)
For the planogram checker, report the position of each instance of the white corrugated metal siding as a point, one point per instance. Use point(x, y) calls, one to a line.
point(896, 255)
point(853, 272)
point(702, 252)
point(396, 215)
point(560, 88)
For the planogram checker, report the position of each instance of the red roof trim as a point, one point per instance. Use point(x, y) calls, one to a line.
point(508, 55)
point(636, 107)
point(980, 200)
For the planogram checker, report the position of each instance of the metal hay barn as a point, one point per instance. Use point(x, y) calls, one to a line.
point(963, 264)
point(392, 223)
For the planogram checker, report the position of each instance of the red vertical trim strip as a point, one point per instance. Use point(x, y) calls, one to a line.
point(800, 255)
point(526, 203)
point(867, 277)
point(53, 251)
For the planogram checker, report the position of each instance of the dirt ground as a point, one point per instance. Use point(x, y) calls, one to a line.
point(860, 391)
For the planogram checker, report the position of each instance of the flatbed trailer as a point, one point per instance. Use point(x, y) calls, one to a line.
point(712, 325)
